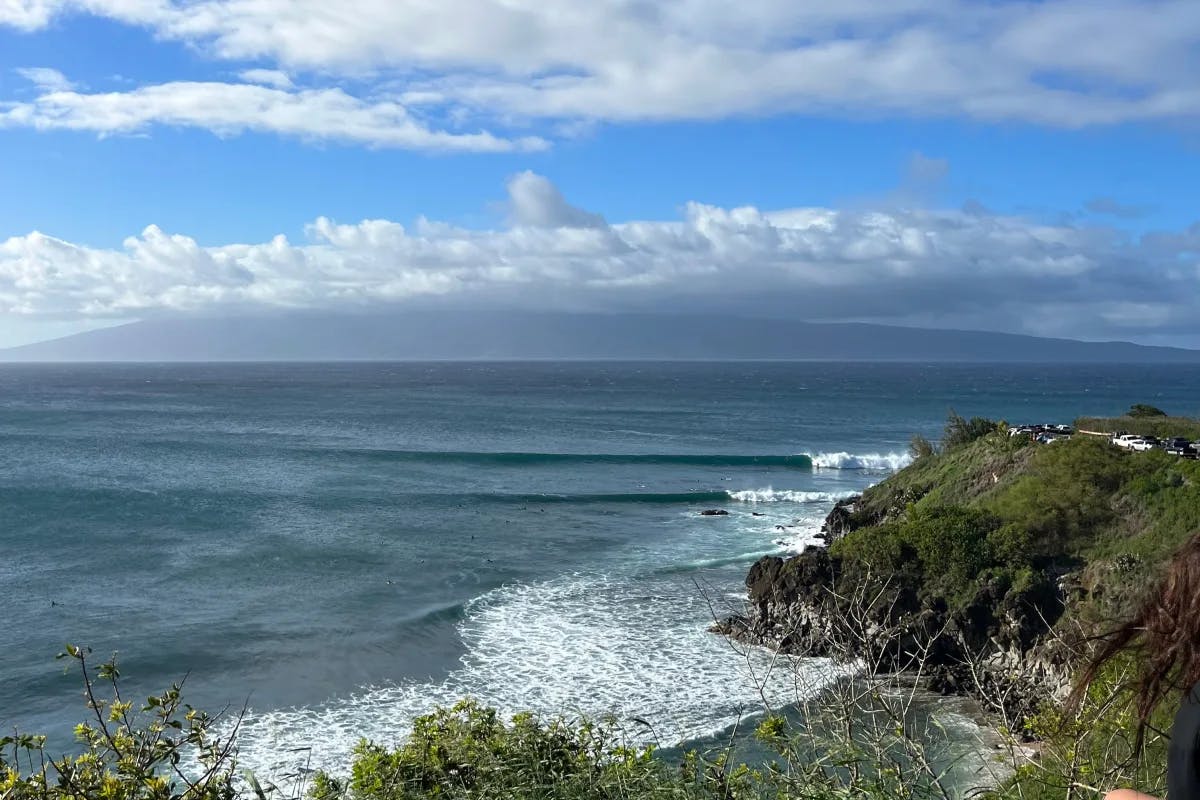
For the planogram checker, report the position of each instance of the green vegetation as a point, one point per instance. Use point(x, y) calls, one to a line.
point(1094, 751)
point(1143, 420)
point(960, 431)
point(859, 739)
point(165, 751)
point(920, 447)
point(468, 751)
point(1143, 410)
point(996, 507)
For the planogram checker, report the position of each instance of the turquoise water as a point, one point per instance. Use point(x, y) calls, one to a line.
point(344, 546)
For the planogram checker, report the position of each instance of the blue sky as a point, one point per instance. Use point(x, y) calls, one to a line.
point(1008, 166)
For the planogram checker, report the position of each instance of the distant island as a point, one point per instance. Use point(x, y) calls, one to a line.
point(483, 335)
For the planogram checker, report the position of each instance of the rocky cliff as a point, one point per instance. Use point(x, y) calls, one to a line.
point(999, 647)
point(939, 569)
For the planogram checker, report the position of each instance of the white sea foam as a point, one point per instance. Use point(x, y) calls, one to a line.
point(799, 535)
point(575, 645)
point(770, 495)
point(867, 461)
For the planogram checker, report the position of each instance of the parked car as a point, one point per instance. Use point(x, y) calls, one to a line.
point(1126, 440)
point(1179, 446)
point(1144, 444)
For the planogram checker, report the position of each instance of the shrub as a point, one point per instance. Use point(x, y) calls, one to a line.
point(1012, 545)
point(952, 543)
point(167, 751)
point(1094, 750)
point(1142, 410)
point(960, 431)
point(469, 751)
point(920, 447)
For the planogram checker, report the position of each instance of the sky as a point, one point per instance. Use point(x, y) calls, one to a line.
point(1029, 167)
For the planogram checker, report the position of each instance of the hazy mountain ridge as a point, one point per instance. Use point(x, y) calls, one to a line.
point(508, 335)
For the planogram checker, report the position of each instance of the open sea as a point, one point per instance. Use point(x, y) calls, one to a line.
point(342, 547)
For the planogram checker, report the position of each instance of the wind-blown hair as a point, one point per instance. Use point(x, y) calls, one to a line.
point(1165, 635)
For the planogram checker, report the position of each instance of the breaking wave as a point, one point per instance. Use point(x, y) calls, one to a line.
point(577, 645)
point(767, 495)
point(869, 461)
point(770, 495)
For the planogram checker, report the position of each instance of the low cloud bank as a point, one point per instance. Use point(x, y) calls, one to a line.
point(948, 268)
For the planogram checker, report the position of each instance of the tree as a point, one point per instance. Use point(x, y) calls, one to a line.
point(1143, 410)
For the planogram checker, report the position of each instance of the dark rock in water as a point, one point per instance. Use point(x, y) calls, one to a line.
point(756, 514)
point(714, 512)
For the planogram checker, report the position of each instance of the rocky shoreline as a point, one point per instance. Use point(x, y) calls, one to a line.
point(1000, 647)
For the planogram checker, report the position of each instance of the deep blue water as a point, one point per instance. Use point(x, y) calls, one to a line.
point(344, 546)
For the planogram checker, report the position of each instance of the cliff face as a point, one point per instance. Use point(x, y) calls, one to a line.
point(1000, 647)
point(983, 568)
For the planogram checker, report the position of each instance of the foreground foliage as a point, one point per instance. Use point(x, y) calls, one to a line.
point(858, 739)
point(469, 751)
point(1093, 752)
point(167, 750)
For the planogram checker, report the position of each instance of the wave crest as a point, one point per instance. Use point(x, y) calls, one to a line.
point(770, 495)
point(888, 462)
point(525, 459)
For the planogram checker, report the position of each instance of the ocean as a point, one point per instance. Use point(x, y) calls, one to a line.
point(341, 547)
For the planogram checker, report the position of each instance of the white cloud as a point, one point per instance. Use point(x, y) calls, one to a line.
point(1065, 63)
point(534, 200)
point(232, 108)
point(268, 77)
point(46, 79)
point(27, 14)
point(946, 268)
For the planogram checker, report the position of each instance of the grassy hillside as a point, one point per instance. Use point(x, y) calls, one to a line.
point(1002, 507)
point(1164, 427)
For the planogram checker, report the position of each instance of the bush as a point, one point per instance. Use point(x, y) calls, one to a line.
point(1094, 750)
point(1013, 546)
point(168, 751)
point(920, 447)
point(952, 543)
point(1142, 410)
point(960, 431)
point(468, 751)
point(944, 547)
